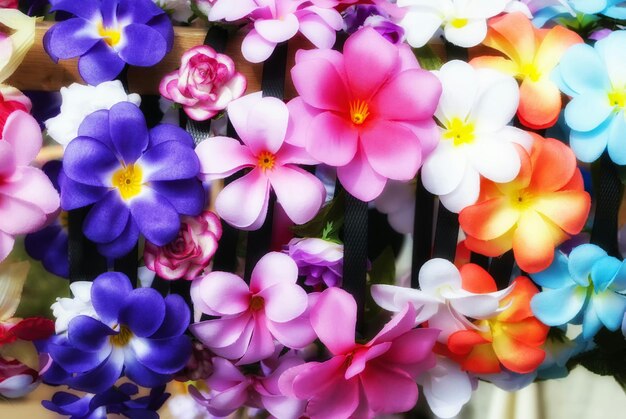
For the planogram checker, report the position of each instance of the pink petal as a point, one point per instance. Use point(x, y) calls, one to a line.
point(361, 357)
point(332, 139)
point(240, 347)
point(266, 125)
point(19, 217)
point(31, 185)
point(389, 391)
point(6, 245)
point(221, 333)
point(272, 269)
point(367, 49)
point(239, 110)
point(291, 154)
point(334, 320)
point(243, 203)
point(427, 132)
point(332, 56)
point(320, 84)
point(22, 131)
point(261, 343)
point(397, 326)
point(316, 377)
point(7, 159)
point(284, 302)
point(360, 180)
point(408, 60)
point(300, 117)
point(316, 30)
point(277, 30)
point(224, 293)
point(255, 48)
point(412, 347)
point(299, 193)
point(392, 150)
point(225, 375)
point(297, 333)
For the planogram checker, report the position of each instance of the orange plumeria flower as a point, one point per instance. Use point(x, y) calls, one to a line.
point(532, 54)
point(512, 339)
point(532, 214)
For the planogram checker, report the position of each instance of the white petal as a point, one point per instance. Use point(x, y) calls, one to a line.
point(444, 168)
point(469, 35)
point(438, 273)
point(497, 103)
point(495, 158)
point(420, 26)
point(465, 194)
point(459, 89)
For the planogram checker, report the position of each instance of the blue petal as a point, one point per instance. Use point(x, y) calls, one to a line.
point(619, 282)
point(143, 311)
point(129, 132)
point(108, 9)
point(604, 271)
point(88, 334)
point(171, 160)
point(583, 71)
point(87, 9)
point(581, 260)
point(156, 218)
point(77, 195)
point(100, 64)
point(617, 139)
point(74, 360)
point(96, 126)
point(587, 112)
point(591, 322)
point(101, 378)
point(37, 244)
point(187, 196)
point(56, 259)
point(89, 162)
point(138, 11)
point(107, 219)
point(108, 294)
point(557, 307)
point(177, 317)
point(589, 146)
point(143, 46)
point(610, 308)
point(123, 244)
point(556, 275)
point(163, 356)
point(589, 6)
point(163, 25)
point(71, 38)
point(168, 132)
point(144, 376)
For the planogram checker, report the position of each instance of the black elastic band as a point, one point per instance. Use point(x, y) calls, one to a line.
point(447, 236)
point(86, 263)
point(422, 230)
point(355, 234)
point(128, 265)
point(217, 38)
point(609, 190)
point(480, 260)
point(501, 269)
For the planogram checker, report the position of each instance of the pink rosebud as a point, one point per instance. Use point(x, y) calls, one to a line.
point(205, 83)
point(8, 4)
point(190, 252)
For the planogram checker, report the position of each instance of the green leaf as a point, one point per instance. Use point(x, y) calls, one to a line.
point(427, 58)
point(327, 223)
point(384, 268)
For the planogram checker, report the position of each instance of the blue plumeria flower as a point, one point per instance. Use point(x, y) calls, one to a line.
point(595, 78)
point(548, 10)
point(585, 288)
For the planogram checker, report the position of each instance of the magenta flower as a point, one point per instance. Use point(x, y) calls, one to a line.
point(276, 21)
point(262, 125)
point(361, 380)
point(368, 111)
point(190, 252)
point(272, 308)
point(205, 83)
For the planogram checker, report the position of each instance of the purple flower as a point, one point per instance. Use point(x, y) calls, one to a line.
point(319, 260)
point(108, 34)
point(139, 333)
point(140, 181)
point(359, 16)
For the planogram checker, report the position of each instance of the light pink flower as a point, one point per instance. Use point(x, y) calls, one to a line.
point(360, 380)
point(190, 252)
point(272, 308)
point(27, 197)
point(368, 111)
point(205, 83)
point(276, 21)
point(262, 125)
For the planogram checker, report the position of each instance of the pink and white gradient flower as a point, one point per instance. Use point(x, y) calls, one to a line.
point(190, 252)
point(252, 317)
point(368, 111)
point(360, 380)
point(205, 83)
point(262, 125)
point(276, 21)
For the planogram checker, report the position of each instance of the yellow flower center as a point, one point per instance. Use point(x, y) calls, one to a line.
point(64, 220)
point(521, 200)
point(530, 71)
point(122, 338)
point(359, 111)
point(267, 161)
point(257, 303)
point(128, 181)
point(458, 22)
point(460, 132)
point(111, 36)
point(617, 98)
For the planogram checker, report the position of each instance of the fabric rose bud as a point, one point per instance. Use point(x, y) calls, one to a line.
point(272, 307)
point(319, 260)
point(261, 123)
point(533, 214)
point(372, 125)
point(138, 333)
point(205, 84)
point(188, 254)
point(108, 35)
point(139, 180)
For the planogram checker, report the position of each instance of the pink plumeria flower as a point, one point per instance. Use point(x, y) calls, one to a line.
point(360, 380)
point(368, 111)
point(272, 308)
point(262, 125)
point(276, 21)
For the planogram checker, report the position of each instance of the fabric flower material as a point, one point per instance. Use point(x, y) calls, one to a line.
point(262, 124)
point(530, 56)
point(16, 379)
point(109, 34)
point(139, 334)
point(21, 36)
point(205, 83)
point(512, 339)
point(596, 112)
point(272, 307)
point(65, 309)
point(587, 287)
point(180, 10)
point(190, 252)
point(533, 214)
point(474, 113)
point(362, 15)
point(139, 180)
point(343, 113)
point(360, 380)
point(319, 261)
point(12, 100)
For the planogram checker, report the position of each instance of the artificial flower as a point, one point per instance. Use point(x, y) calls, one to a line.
point(65, 308)
point(530, 56)
point(8, 4)
point(276, 21)
point(21, 38)
point(343, 111)
point(362, 15)
point(444, 299)
point(532, 214)
point(587, 287)
point(16, 379)
point(251, 317)
point(261, 123)
point(78, 101)
point(512, 339)
point(108, 35)
point(179, 10)
point(205, 83)
point(190, 252)
point(139, 334)
point(204, 6)
point(596, 112)
point(360, 380)
point(474, 113)
point(550, 10)
point(12, 100)
point(319, 261)
point(398, 201)
point(199, 366)
point(140, 180)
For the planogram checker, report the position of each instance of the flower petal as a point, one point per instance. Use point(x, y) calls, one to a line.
point(334, 320)
point(254, 190)
point(156, 218)
point(224, 293)
point(559, 306)
point(128, 131)
point(332, 139)
point(360, 179)
point(143, 312)
point(534, 242)
point(221, 157)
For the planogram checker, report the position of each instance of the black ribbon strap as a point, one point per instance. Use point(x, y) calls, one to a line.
point(609, 189)
point(422, 230)
point(86, 263)
point(355, 233)
point(501, 269)
point(447, 235)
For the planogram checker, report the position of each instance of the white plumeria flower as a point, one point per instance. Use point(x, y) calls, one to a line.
point(441, 300)
point(474, 111)
point(446, 387)
point(180, 10)
point(65, 309)
point(464, 22)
